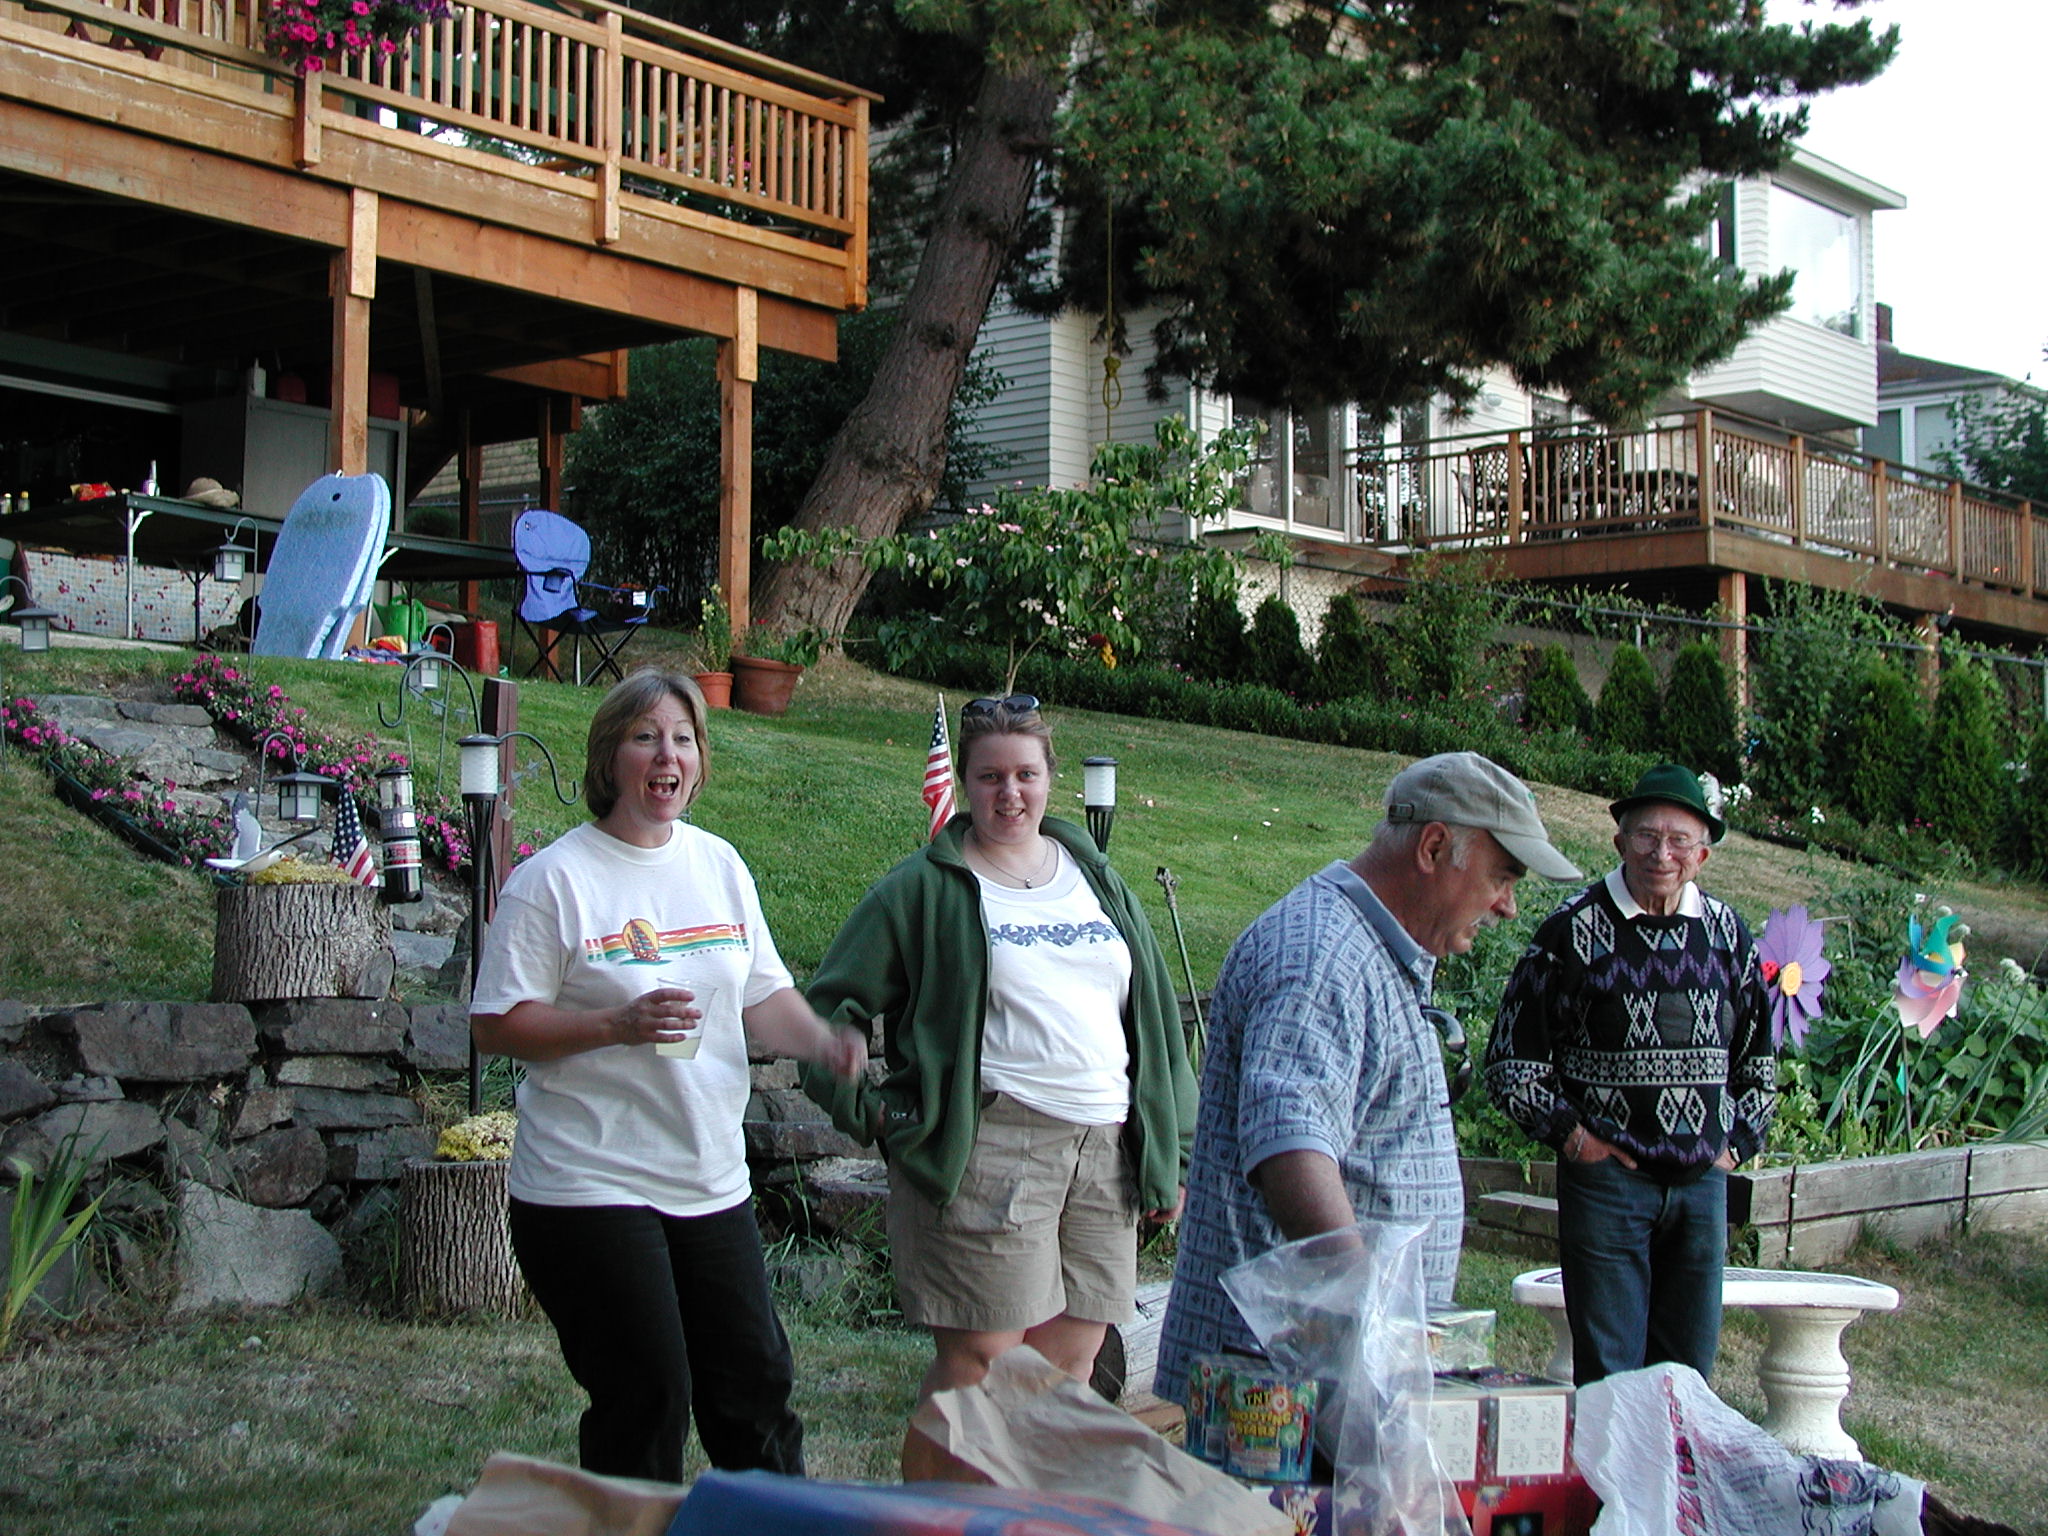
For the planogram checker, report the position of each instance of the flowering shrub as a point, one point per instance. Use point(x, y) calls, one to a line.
point(189, 836)
point(251, 711)
point(306, 33)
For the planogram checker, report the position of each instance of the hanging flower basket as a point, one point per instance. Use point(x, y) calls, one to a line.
point(313, 35)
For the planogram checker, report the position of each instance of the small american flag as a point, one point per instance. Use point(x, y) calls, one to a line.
point(351, 849)
point(938, 773)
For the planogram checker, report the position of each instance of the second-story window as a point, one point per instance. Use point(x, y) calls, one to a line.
point(1823, 246)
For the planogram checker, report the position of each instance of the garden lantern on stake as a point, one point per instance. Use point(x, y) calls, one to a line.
point(1098, 796)
point(398, 827)
point(298, 793)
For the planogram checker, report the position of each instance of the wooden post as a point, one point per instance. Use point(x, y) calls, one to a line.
point(469, 460)
point(2025, 553)
point(1881, 515)
point(455, 1247)
point(1735, 642)
point(1516, 509)
point(857, 209)
point(1930, 655)
point(738, 368)
point(353, 287)
point(1704, 460)
point(1798, 490)
point(273, 942)
point(1955, 530)
point(610, 108)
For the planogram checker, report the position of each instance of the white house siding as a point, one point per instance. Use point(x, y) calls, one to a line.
point(1041, 416)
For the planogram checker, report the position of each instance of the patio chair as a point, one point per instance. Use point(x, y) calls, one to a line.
point(322, 567)
point(553, 553)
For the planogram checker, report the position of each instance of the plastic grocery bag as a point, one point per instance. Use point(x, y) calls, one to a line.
point(1349, 1308)
point(1668, 1458)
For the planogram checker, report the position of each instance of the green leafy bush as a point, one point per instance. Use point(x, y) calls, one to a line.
point(1876, 755)
point(1963, 786)
point(1626, 718)
point(1216, 645)
point(1797, 680)
point(1348, 655)
point(1555, 699)
point(2030, 802)
point(1279, 659)
point(1442, 637)
point(1699, 713)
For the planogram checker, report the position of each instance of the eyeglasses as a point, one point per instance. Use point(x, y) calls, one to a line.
point(1020, 703)
point(1459, 1073)
point(1680, 843)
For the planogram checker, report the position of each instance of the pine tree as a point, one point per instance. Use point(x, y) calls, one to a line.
point(1279, 659)
point(1626, 718)
point(1877, 755)
point(1699, 713)
point(1217, 647)
point(1348, 656)
point(1962, 786)
point(1555, 698)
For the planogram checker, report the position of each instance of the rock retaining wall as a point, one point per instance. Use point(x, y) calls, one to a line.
point(264, 1138)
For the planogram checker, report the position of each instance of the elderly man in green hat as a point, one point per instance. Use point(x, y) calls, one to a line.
point(1634, 1038)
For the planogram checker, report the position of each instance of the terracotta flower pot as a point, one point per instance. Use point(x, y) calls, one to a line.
point(716, 688)
point(761, 686)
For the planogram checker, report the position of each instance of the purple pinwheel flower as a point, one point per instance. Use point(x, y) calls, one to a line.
point(1794, 969)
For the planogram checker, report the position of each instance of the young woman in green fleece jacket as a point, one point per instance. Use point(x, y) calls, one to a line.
point(1037, 1098)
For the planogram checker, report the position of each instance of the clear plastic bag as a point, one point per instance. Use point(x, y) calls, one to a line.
point(1349, 1308)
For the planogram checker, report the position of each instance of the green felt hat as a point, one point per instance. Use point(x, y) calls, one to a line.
point(1672, 784)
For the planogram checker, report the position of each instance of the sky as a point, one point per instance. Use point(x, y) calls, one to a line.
point(1956, 126)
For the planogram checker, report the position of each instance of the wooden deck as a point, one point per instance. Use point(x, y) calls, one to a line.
point(1702, 494)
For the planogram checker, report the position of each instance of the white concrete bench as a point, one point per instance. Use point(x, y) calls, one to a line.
point(1802, 1372)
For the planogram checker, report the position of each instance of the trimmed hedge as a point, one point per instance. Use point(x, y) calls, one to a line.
point(1626, 718)
point(1699, 713)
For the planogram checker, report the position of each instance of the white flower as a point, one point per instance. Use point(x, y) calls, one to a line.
point(1816, 816)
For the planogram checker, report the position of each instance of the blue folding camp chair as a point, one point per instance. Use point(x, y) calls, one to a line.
point(553, 553)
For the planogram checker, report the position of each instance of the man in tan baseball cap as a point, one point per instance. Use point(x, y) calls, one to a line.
point(1324, 1094)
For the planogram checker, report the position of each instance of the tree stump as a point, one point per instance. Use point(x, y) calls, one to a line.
point(455, 1248)
point(273, 942)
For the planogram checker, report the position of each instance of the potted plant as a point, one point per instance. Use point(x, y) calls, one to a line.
point(316, 35)
point(714, 639)
point(766, 673)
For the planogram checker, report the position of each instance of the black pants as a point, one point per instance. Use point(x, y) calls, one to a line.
point(659, 1315)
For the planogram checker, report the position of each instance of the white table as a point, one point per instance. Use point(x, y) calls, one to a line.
point(1802, 1372)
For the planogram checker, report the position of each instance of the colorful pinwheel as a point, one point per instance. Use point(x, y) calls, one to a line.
point(1794, 968)
point(1931, 976)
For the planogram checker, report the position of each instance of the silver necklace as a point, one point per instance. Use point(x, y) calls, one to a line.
point(1027, 881)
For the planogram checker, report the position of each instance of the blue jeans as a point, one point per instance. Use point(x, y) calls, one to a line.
point(658, 1315)
point(1642, 1267)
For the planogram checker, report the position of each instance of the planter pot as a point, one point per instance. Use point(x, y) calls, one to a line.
point(761, 686)
point(716, 688)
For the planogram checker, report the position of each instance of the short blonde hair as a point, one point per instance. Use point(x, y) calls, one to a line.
point(617, 711)
point(1005, 719)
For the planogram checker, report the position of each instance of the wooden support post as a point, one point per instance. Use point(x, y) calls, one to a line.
point(857, 209)
point(2025, 553)
point(1798, 490)
point(1955, 529)
point(469, 478)
point(1735, 642)
point(1930, 655)
point(610, 107)
point(1704, 468)
point(738, 367)
point(552, 449)
point(1881, 514)
point(1516, 506)
point(306, 126)
point(352, 288)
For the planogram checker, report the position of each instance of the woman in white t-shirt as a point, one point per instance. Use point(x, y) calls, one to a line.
point(627, 966)
point(1038, 1097)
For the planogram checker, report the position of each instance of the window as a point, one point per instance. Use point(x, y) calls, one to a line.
point(1720, 236)
point(1824, 248)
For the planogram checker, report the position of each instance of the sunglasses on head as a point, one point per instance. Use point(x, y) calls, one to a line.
point(1447, 1026)
point(1019, 703)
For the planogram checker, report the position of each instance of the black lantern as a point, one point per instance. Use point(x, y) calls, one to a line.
point(398, 827)
point(1098, 796)
point(298, 793)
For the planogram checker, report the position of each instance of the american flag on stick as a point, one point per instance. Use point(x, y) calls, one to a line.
point(351, 848)
point(938, 773)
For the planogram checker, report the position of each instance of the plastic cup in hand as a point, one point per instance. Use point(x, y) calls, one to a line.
point(708, 995)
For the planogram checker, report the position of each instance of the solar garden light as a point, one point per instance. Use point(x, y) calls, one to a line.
point(1098, 795)
point(298, 793)
point(33, 620)
point(231, 560)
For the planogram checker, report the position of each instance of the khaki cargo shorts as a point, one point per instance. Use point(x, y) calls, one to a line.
point(1044, 1223)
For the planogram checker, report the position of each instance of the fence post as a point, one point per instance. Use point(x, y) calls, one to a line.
point(1955, 529)
point(1881, 514)
point(1514, 487)
point(1798, 489)
point(1704, 454)
point(610, 85)
point(2025, 553)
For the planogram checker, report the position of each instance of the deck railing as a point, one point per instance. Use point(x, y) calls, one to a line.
point(1692, 471)
point(600, 96)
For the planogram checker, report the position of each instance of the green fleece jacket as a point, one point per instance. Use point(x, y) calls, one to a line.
point(915, 954)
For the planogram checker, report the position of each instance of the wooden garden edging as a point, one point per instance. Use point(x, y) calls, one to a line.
point(1804, 1213)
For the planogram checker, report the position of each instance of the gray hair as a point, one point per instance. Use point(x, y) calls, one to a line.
point(1402, 836)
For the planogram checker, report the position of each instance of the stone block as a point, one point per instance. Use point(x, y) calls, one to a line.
point(846, 1196)
point(22, 1092)
point(150, 712)
point(423, 952)
point(280, 1168)
point(767, 1076)
point(15, 1019)
point(190, 1154)
point(233, 1254)
point(357, 1073)
point(69, 709)
point(361, 1157)
point(79, 1089)
point(784, 1104)
point(781, 1140)
point(337, 1109)
point(437, 1037)
point(334, 1027)
point(258, 1110)
point(103, 1131)
point(160, 1042)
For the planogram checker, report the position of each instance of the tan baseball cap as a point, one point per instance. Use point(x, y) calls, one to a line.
point(1463, 789)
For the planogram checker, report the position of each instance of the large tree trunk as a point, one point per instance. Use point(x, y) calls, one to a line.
point(284, 941)
point(884, 465)
point(455, 1250)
